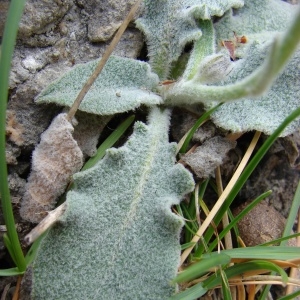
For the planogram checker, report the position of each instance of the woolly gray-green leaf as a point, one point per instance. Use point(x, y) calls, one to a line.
point(260, 21)
point(169, 25)
point(118, 238)
point(124, 84)
point(269, 93)
point(266, 112)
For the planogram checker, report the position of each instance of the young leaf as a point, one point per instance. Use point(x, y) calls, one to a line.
point(198, 269)
point(267, 51)
point(260, 21)
point(169, 25)
point(118, 238)
point(124, 84)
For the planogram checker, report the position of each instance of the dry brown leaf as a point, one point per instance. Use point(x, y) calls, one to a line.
point(54, 161)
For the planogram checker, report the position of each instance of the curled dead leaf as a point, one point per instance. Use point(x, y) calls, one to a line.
point(54, 161)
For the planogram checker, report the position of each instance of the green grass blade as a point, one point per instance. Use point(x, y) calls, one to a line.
point(7, 47)
point(260, 252)
point(248, 171)
point(189, 214)
point(109, 142)
point(231, 218)
point(9, 247)
point(202, 189)
point(190, 224)
point(243, 268)
point(11, 272)
point(280, 240)
point(192, 293)
point(200, 268)
point(187, 245)
point(190, 134)
point(292, 215)
point(31, 254)
point(190, 230)
point(291, 296)
point(225, 286)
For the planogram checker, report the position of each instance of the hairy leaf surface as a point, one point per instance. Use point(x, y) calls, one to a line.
point(169, 25)
point(118, 238)
point(124, 84)
point(260, 21)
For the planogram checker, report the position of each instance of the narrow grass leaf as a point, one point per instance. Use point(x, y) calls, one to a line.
point(280, 240)
point(7, 47)
point(260, 252)
point(32, 252)
point(198, 123)
point(9, 247)
point(290, 296)
point(234, 227)
point(242, 269)
point(187, 245)
point(109, 142)
point(292, 215)
point(10, 272)
point(200, 268)
point(225, 286)
point(192, 293)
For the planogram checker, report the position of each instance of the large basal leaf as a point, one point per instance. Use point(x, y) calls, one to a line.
point(118, 238)
point(124, 84)
point(260, 21)
point(169, 25)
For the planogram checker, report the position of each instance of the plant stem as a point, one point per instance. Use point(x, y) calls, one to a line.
point(8, 42)
point(102, 61)
point(45, 224)
point(255, 84)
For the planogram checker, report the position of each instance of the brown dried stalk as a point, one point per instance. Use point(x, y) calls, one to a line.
point(102, 61)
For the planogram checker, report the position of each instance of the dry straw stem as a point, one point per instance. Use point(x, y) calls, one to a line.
point(102, 61)
point(197, 204)
point(267, 279)
point(223, 197)
point(16, 295)
point(45, 224)
point(225, 219)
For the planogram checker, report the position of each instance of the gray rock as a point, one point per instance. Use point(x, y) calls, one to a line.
point(42, 16)
point(105, 17)
point(3, 12)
